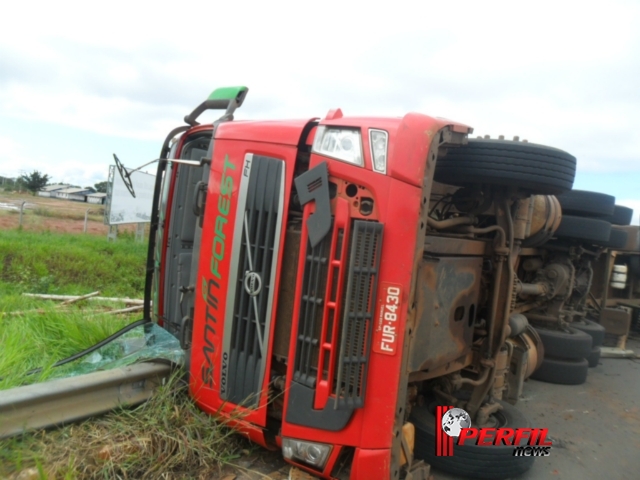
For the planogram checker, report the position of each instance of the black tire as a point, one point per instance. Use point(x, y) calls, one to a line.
point(592, 328)
point(591, 230)
point(620, 216)
point(537, 169)
point(583, 203)
point(594, 357)
point(617, 239)
point(495, 462)
point(562, 372)
point(572, 344)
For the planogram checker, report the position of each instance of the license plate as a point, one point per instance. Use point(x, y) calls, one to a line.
point(386, 329)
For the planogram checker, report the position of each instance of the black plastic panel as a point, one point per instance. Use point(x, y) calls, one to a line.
point(314, 284)
point(301, 412)
point(314, 185)
point(246, 362)
point(359, 306)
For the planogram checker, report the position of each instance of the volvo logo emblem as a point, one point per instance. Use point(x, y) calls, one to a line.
point(252, 283)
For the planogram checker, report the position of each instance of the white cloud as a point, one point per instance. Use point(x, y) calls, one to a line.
point(557, 73)
point(15, 161)
point(12, 157)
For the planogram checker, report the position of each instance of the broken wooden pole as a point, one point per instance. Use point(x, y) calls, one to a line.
point(132, 301)
point(83, 297)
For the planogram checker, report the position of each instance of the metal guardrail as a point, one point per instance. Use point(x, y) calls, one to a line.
point(61, 401)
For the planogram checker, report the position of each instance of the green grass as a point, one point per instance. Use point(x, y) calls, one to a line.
point(71, 264)
point(45, 334)
point(167, 437)
point(60, 264)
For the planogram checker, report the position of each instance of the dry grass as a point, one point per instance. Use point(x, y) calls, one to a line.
point(167, 437)
point(52, 214)
point(53, 207)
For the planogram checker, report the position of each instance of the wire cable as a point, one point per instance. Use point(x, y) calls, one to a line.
point(95, 347)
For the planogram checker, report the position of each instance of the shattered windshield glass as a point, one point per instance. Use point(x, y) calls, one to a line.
point(146, 342)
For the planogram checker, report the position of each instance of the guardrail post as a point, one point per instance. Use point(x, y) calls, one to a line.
point(112, 236)
point(21, 213)
point(140, 232)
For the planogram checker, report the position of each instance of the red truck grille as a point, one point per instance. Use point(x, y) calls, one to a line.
point(331, 361)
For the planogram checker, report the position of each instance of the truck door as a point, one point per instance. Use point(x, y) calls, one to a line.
point(181, 235)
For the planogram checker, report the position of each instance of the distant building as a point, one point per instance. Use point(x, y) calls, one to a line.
point(73, 193)
point(50, 190)
point(96, 198)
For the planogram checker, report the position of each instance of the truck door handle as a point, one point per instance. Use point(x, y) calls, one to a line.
point(199, 199)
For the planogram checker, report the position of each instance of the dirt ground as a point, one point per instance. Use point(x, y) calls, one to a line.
point(595, 428)
point(53, 215)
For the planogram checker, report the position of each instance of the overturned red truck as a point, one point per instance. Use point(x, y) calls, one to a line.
point(333, 280)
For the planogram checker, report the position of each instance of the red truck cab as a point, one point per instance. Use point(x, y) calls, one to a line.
point(298, 264)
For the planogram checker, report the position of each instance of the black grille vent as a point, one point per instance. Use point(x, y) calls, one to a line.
point(359, 306)
point(311, 310)
point(250, 311)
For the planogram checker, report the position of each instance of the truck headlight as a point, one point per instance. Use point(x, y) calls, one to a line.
point(311, 453)
point(378, 140)
point(342, 143)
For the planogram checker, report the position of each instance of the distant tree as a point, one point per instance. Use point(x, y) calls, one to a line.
point(101, 187)
point(34, 181)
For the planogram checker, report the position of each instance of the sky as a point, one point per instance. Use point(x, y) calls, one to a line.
point(80, 81)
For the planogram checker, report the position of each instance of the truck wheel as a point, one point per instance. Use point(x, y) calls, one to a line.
point(495, 462)
point(537, 169)
point(621, 216)
point(583, 203)
point(594, 357)
point(580, 228)
point(572, 344)
point(617, 239)
point(562, 372)
point(592, 328)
